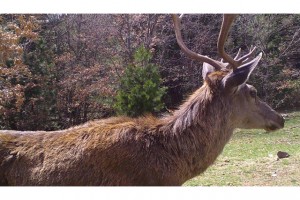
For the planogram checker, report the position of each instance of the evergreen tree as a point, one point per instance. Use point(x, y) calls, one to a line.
point(140, 91)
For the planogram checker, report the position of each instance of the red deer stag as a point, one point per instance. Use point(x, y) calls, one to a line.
point(146, 150)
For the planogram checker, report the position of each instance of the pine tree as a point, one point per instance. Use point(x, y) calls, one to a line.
point(141, 90)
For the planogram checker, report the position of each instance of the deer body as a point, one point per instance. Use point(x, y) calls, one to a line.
point(119, 151)
point(146, 150)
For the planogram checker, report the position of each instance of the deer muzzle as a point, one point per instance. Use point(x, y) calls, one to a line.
point(275, 124)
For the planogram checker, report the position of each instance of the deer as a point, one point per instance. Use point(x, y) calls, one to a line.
point(147, 150)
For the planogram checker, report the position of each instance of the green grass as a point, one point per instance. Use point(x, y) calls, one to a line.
point(250, 159)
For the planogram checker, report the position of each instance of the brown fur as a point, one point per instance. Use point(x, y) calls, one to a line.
point(122, 150)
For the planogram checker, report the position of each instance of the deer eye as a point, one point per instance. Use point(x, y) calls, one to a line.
point(253, 93)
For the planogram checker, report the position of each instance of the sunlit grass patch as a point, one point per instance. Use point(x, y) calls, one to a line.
point(250, 159)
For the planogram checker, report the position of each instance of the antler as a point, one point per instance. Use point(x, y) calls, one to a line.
point(227, 21)
point(188, 52)
point(234, 63)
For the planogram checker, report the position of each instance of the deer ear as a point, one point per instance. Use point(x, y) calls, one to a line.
point(207, 69)
point(241, 74)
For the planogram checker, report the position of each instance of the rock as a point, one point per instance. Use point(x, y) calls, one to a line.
point(282, 154)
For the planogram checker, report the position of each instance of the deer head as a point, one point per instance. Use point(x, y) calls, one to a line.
point(248, 111)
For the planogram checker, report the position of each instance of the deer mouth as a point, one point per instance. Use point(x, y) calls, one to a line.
point(275, 125)
point(272, 128)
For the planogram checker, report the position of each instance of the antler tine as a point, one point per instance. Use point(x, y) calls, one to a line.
point(227, 21)
point(245, 57)
point(238, 55)
point(188, 52)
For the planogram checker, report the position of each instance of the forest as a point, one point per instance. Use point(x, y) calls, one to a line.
point(61, 70)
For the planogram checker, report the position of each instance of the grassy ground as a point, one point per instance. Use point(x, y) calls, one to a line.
point(250, 159)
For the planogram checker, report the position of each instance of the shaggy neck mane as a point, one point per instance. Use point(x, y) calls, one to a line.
point(193, 110)
point(206, 109)
point(200, 128)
